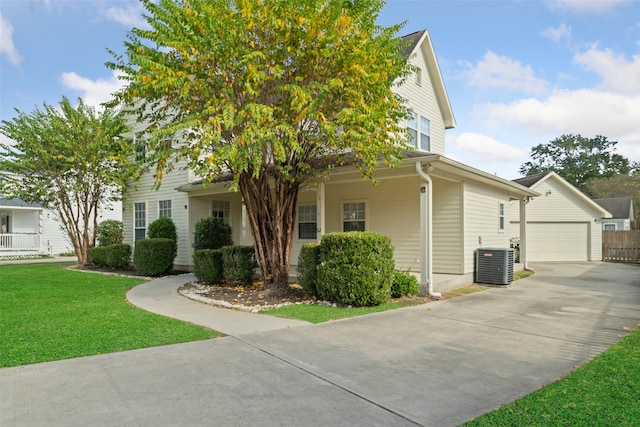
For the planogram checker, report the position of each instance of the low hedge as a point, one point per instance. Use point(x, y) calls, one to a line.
point(207, 265)
point(308, 267)
point(118, 256)
point(238, 263)
point(153, 257)
point(355, 268)
point(98, 256)
point(404, 283)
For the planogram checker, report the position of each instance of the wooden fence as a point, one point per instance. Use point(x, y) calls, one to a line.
point(621, 246)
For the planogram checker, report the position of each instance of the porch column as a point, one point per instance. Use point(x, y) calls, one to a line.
point(320, 202)
point(523, 231)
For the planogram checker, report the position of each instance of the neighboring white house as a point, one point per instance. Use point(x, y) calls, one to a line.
point(436, 211)
point(621, 209)
point(28, 229)
point(563, 224)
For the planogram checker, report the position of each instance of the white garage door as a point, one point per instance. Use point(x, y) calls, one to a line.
point(558, 241)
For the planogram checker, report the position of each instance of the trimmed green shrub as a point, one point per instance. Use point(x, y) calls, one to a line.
point(238, 263)
point(308, 267)
point(118, 256)
point(98, 256)
point(164, 228)
point(212, 233)
point(355, 268)
point(404, 283)
point(207, 265)
point(153, 257)
point(110, 232)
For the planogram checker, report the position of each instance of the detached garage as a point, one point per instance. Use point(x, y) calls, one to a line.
point(563, 224)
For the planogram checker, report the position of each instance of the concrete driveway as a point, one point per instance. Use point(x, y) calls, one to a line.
point(438, 364)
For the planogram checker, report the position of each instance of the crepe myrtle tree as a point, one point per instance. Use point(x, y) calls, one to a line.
point(272, 92)
point(72, 160)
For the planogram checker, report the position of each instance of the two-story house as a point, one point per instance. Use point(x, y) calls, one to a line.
point(437, 211)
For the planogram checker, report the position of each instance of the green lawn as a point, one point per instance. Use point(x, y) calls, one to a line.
point(604, 392)
point(48, 313)
point(318, 313)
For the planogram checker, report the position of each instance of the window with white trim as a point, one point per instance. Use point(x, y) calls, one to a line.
point(353, 216)
point(221, 209)
point(419, 129)
point(164, 209)
point(140, 221)
point(141, 150)
point(501, 216)
point(609, 227)
point(425, 134)
point(307, 222)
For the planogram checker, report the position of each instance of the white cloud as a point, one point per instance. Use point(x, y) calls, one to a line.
point(584, 6)
point(477, 144)
point(6, 42)
point(93, 92)
point(501, 72)
point(129, 16)
point(587, 112)
point(619, 75)
point(561, 34)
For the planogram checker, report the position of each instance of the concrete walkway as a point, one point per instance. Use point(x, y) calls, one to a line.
point(437, 364)
point(160, 296)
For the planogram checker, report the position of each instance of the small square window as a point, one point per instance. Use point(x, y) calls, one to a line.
point(164, 209)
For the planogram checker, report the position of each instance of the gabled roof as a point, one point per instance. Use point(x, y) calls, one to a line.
point(530, 180)
point(620, 207)
point(535, 180)
point(421, 40)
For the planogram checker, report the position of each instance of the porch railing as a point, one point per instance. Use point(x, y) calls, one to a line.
point(20, 243)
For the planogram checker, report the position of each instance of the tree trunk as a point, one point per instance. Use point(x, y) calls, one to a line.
point(272, 214)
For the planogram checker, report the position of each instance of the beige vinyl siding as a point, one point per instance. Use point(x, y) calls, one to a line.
point(422, 100)
point(144, 193)
point(392, 208)
point(481, 220)
point(447, 227)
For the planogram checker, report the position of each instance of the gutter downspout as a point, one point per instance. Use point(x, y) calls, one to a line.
point(426, 227)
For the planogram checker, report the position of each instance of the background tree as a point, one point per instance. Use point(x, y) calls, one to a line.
point(70, 159)
point(618, 186)
point(273, 91)
point(577, 159)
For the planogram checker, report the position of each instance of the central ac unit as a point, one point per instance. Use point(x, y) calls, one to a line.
point(494, 266)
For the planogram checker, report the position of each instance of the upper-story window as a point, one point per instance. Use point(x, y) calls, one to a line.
point(141, 150)
point(419, 76)
point(419, 129)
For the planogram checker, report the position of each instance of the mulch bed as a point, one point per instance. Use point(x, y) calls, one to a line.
point(247, 297)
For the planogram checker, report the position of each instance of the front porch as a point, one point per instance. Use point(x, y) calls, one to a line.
point(20, 245)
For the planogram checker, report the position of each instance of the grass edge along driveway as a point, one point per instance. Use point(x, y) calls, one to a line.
point(49, 313)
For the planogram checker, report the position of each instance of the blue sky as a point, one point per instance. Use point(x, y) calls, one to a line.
point(518, 73)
